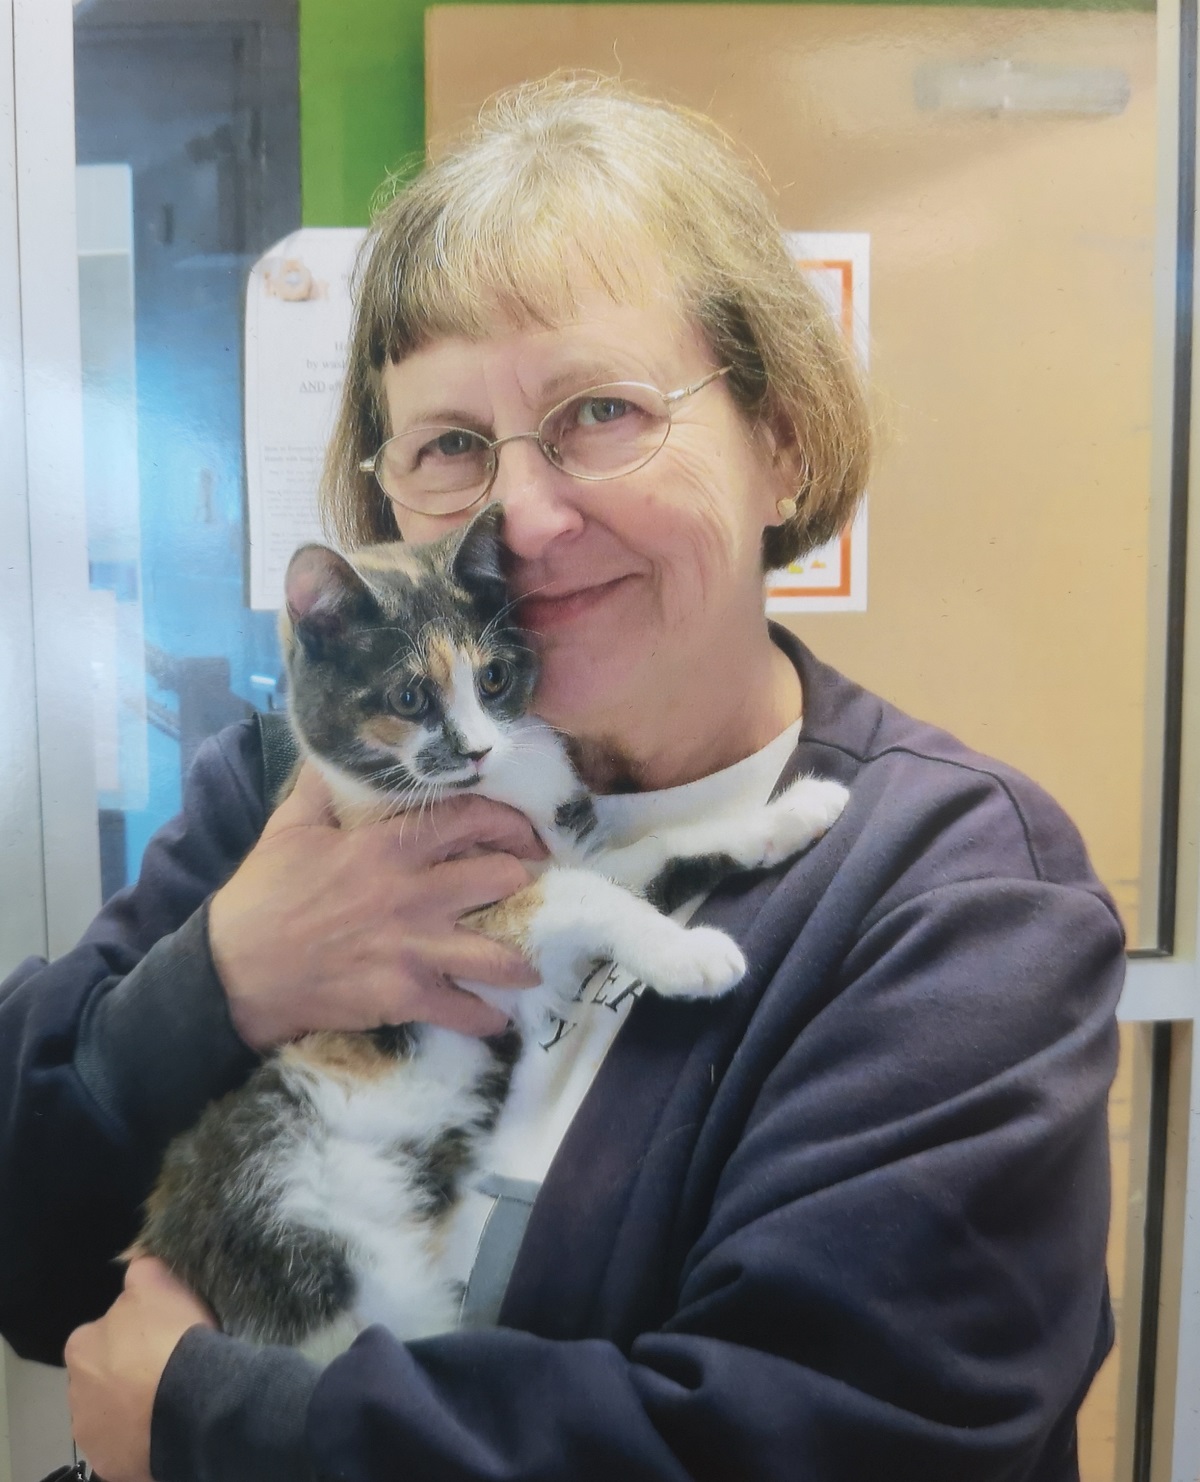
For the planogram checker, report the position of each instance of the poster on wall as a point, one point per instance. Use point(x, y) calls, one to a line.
point(834, 577)
point(297, 319)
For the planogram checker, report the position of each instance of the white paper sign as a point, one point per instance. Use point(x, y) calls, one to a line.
point(297, 318)
point(833, 578)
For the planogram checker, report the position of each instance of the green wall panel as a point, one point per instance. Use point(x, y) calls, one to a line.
point(362, 102)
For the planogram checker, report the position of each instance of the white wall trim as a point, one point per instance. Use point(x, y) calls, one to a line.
point(1158, 990)
point(43, 52)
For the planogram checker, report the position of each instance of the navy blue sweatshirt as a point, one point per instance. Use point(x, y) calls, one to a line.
point(847, 1224)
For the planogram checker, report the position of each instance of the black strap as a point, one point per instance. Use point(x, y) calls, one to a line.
point(279, 752)
point(76, 1473)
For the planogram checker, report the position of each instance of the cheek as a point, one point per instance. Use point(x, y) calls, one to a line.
point(703, 541)
point(387, 732)
point(401, 738)
point(417, 529)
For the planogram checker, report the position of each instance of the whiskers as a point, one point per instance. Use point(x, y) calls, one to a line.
point(493, 624)
point(402, 796)
point(422, 799)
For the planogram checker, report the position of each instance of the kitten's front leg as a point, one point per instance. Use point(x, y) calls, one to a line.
point(570, 918)
point(756, 839)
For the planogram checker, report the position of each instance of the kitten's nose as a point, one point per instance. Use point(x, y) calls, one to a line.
point(477, 756)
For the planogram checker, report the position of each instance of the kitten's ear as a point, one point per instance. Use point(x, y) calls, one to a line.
point(324, 594)
point(476, 562)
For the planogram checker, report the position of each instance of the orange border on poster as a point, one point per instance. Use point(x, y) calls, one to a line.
point(797, 588)
point(782, 589)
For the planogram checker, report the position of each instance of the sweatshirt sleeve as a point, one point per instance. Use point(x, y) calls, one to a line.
point(901, 1274)
point(110, 1050)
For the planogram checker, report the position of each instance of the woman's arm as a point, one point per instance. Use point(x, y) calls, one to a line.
point(111, 1050)
point(105, 1052)
point(901, 1276)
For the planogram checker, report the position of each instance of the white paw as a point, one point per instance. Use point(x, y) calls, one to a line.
point(700, 962)
point(808, 809)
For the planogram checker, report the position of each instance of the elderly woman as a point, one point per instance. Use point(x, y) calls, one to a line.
point(847, 1223)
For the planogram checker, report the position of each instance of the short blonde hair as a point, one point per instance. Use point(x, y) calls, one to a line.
point(571, 175)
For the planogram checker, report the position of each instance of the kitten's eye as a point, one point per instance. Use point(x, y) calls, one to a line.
point(410, 703)
point(493, 679)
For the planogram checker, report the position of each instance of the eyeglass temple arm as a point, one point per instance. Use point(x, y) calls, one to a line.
point(674, 396)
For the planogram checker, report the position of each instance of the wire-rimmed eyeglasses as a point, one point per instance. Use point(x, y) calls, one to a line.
point(601, 433)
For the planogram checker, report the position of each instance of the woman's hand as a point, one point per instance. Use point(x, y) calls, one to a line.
point(330, 928)
point(114, 1367)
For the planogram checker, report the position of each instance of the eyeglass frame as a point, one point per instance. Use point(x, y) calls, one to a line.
point(671, 399)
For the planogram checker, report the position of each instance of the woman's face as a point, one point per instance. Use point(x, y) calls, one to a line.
point(640, 591)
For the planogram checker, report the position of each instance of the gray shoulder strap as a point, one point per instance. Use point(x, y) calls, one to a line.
point(279, 751)
point(498, 1246)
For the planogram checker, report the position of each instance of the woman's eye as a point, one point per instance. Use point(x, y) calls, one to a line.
point(455, 442)
point(595, 411)
point(410, 703)
point(494, 679)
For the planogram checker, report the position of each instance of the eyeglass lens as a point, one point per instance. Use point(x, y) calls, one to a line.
point(601, 433)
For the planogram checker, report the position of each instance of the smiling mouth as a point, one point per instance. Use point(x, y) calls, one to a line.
point(542, 610)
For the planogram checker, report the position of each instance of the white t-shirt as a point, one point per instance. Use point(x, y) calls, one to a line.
point(551, 1079)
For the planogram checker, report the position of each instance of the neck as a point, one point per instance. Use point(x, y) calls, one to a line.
point(688, 731)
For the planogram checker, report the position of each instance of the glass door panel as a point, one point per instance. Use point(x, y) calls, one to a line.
point(188, 167)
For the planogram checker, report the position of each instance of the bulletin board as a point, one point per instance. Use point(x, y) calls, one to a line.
point(1012, 348)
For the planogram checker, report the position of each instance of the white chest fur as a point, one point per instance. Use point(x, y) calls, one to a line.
point(353, 1170)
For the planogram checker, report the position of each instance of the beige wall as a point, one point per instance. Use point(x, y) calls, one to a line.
point(1011, 285)
point(1012, 345)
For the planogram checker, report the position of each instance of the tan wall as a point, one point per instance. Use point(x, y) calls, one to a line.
point(1012, 340)
point(1011, 285)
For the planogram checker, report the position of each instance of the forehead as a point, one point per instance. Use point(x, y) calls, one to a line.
point(532, 364)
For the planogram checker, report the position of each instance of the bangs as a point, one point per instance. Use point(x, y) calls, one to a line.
point(516, 251)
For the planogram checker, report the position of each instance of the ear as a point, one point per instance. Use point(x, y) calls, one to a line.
point(788, 469)
point(477, 561)
point(324, 594)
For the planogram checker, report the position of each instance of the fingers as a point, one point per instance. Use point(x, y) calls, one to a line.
point(420, 982)
point(455, 828)
point(462, 885)
point(470, 958)
point(407, 981)
point(115, 1365)
point(149, 1281)
point(149, 1275)
point(454, 1008)
point(80, 1344)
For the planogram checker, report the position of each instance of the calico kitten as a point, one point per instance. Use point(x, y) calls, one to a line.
point(311, 1202)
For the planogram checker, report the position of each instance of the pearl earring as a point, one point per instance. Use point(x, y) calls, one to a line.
point(785, 508)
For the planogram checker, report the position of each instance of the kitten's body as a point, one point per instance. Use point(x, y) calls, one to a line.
point(314, 1201)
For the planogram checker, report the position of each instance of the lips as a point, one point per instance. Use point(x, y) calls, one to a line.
point(543, 611)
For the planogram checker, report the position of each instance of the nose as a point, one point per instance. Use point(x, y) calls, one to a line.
point(538, 499)
point(477, 756)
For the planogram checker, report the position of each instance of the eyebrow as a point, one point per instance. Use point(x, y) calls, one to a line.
point(580, 376)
